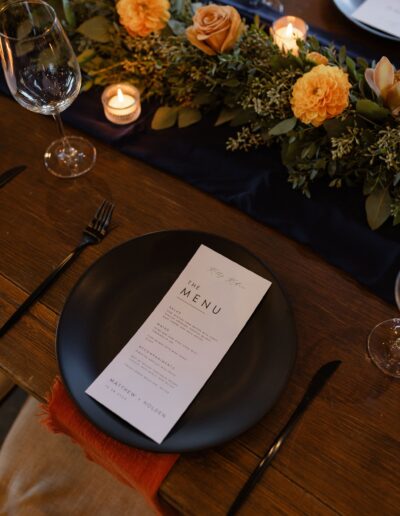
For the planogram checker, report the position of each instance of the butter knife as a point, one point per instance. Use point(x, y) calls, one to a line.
point(6, 176)
point(315, 386)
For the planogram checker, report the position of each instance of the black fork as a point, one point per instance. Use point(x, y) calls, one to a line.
point(93, 234)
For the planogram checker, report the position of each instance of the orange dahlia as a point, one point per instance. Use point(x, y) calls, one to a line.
point(141, 17)
point(320, 94)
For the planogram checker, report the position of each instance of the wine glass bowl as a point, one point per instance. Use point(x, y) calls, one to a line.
point(44, 76)
point(384, 341)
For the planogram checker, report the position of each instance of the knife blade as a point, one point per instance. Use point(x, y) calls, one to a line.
point(314, 388)
point(6, 176)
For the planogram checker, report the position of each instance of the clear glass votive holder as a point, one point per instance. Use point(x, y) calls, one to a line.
point(286, 31)
point(121, 103)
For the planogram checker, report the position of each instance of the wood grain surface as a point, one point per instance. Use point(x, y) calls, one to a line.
point(343, 456)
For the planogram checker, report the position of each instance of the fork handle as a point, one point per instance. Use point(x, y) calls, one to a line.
point(40, 289)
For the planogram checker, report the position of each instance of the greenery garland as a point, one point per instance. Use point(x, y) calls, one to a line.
point(252, 86)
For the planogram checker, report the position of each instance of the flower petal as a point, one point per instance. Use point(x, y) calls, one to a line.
point(369, 77)
point(192, 37)
point(393, 98)
point(384, 75)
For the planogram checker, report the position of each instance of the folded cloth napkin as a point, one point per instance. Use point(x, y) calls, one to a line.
point(140, 469)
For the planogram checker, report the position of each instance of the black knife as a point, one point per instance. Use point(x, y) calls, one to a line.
point(315, 386)
point(6, 176)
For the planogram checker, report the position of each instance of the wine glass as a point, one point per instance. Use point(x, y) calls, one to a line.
point(43, 75)
point(384, 341)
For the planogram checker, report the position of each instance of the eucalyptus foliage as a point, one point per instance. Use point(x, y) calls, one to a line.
point(250, 88)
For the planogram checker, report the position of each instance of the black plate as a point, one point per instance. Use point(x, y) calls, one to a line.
point(347, 7)
point(115, 296)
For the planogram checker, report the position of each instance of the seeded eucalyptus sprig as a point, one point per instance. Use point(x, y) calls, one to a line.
point(250, 87)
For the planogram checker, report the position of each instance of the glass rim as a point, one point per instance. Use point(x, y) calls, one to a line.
point(21, 2)
point(397, 290)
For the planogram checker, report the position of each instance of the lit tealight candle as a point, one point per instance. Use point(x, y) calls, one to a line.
point(287, 30)
point(121, 103)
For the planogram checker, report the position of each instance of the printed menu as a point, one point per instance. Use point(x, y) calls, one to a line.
point(381, 14)
point(158, 373)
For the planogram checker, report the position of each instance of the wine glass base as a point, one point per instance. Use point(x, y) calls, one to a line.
point(384, 347)
point(70, 157)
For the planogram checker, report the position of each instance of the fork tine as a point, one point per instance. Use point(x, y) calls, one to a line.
point(105, 221)
point(98, 214)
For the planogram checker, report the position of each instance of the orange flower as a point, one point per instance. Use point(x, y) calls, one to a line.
point(321, 93)
point(317, 58)
point(215, 28)
point(385, 82)
point(141, 17)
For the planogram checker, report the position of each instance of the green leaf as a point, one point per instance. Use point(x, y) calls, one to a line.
point(24, 47)
point(290, 152)
point(243, 117)
point(176, 27)
point(231, 83)
point(188, 116)
point(86, 56)
point(363, 63)
point(334, 127)
point(314, 43)
point(309, 151)
point(164, 117)
point(372, 110)
point(377, 206)
point(87, 85)
point(204, 98)
point(46, 58)
point(196, 5)
point(342, 55)
point(179, 6)
point(226, 115)
point(69, 13)
point(24, 29)
point(283, 127)
point(97, 29)
point(351, 66)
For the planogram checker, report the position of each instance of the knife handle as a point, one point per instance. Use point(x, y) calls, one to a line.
point(313, 389)
point(39, 290)
point(5, 177)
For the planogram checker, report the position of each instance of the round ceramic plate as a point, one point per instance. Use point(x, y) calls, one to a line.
point(347, 7)
point(113, 299)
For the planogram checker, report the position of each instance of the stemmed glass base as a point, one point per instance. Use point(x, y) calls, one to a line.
point(70, 156)
point(384, 346)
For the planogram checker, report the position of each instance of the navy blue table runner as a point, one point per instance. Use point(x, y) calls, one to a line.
point(332, 222)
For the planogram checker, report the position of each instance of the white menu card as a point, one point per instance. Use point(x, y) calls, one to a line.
point(381, 14)
point(158, 373)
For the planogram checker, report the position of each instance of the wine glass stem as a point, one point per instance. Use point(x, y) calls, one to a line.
point(68, 151)
point(60, 127)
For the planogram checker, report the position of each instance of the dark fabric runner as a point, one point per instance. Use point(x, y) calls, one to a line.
point(332, 222)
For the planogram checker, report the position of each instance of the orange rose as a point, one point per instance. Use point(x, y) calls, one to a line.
point(141, 17)
point(321, 93)
point(317, 58)
point(215, 28)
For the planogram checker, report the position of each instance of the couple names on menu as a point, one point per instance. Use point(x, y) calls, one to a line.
point(158, 373)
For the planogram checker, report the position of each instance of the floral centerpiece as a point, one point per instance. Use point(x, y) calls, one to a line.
point(333, 116)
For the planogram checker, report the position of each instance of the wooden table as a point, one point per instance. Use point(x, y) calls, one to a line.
point(343, 457)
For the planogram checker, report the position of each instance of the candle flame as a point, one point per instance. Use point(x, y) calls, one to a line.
point(120, 95)
point(289, 30)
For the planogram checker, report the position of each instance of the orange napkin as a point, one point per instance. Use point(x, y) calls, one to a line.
point(140, 469)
